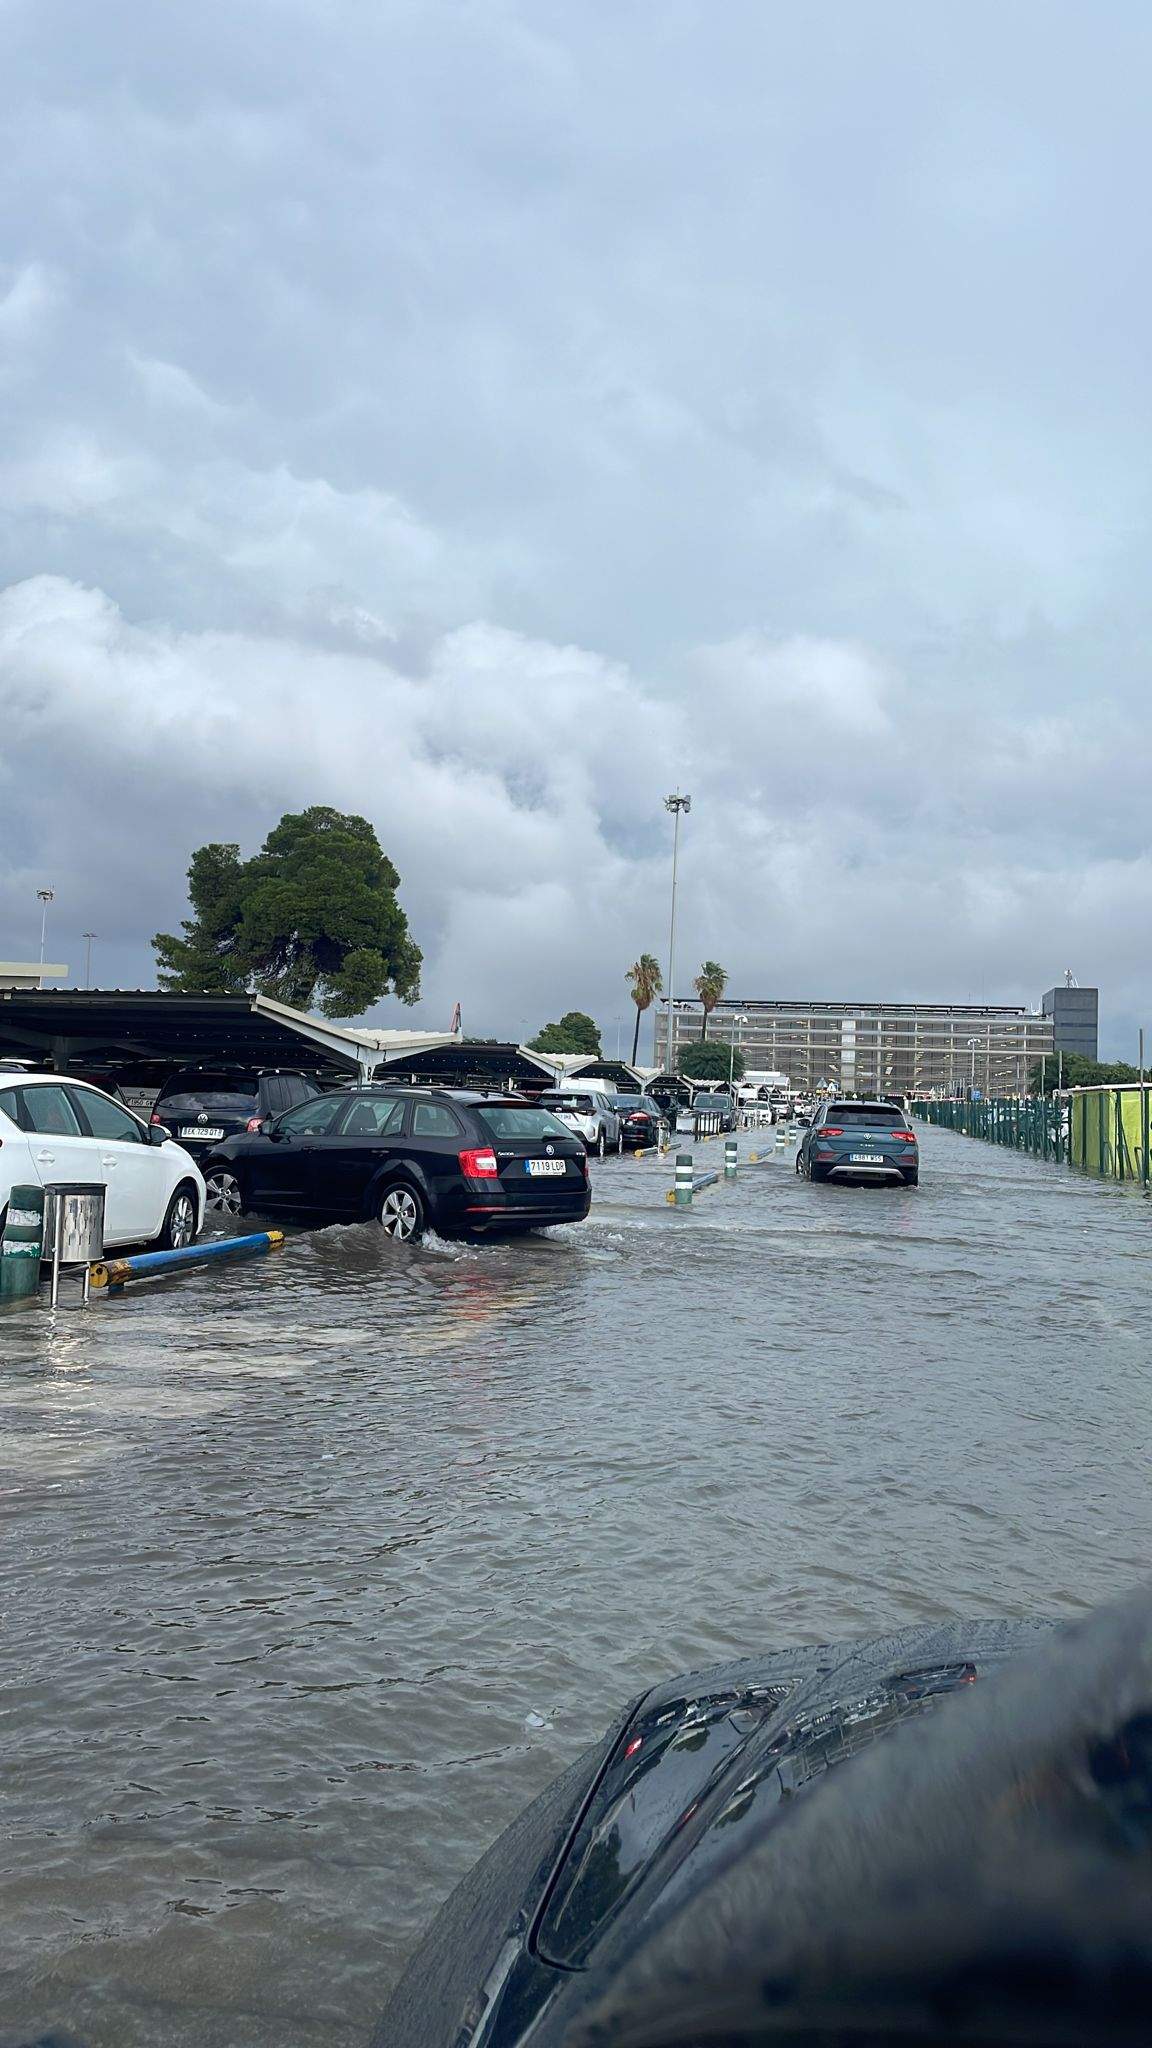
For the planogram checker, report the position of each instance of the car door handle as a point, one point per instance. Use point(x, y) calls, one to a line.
point(107, 1160)
point(45, 1158)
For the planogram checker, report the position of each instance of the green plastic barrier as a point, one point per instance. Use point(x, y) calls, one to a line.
point(22, 1244)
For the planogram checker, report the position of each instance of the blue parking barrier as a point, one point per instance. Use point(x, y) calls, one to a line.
point(113, 1273)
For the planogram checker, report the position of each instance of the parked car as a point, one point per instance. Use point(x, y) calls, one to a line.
point(408, 1159)
point(718, 1102)
point(202, 1105)
point(589, 1112)
point(105, 1082)
point(859, 1141)
point(671, 1098)
point(642, 1121)
point(56, 1128)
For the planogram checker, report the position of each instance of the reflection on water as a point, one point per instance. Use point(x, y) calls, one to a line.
point(317, 1567)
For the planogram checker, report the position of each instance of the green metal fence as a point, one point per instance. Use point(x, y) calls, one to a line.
point(1036, 1127)
point(1102, 1130)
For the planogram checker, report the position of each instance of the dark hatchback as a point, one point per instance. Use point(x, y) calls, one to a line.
point(408, 1159)
point(859, 1141)
point(641, 1120)
point(202, 1105)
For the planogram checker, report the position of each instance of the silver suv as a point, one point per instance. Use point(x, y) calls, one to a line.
point(590, 1114)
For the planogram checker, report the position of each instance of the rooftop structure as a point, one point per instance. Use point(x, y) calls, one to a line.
point(29, 973)
point(1075, 1014)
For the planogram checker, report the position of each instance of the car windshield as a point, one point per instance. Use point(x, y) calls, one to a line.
point(512, 1120)
point(876, 1114)
point(711, 1102)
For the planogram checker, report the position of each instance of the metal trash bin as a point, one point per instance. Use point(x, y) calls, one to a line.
point(73, 1227)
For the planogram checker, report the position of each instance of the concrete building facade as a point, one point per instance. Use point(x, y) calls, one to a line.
point(874, 1048)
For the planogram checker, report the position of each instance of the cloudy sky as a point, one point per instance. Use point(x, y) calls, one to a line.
point(490, 414)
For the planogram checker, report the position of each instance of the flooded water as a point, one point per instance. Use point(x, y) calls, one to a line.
point(316, 1568)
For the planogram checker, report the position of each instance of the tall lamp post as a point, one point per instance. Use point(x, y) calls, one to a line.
point(736, 1022)
point(972, 1044)
point(676, 804)
point(44, 897)
point(88, 938)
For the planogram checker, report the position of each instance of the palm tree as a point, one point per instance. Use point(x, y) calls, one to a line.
point(710, 985)
point(646, 982)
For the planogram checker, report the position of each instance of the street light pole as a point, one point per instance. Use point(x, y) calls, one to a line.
point(88, 938)
point(736, 1022)
point(44, 897)
point(676, 804)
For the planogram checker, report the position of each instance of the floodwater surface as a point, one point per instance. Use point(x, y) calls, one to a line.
point(316, 1568)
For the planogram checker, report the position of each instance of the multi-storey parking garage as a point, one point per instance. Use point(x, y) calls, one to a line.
point(902, 1048)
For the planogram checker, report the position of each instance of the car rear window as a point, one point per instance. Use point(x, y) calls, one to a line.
point(876, 1114)
point(576, 1105)
point(231, 1094)
point(510, 1120)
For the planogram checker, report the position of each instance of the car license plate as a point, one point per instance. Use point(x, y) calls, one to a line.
point(545, 1165)
point(867, 1159)
point(201, 1131)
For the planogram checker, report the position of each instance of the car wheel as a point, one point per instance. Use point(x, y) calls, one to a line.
point(179, 1226)
point(401, 1213)
point(223, 1193)
point(601, 1147)
point(912, 1180)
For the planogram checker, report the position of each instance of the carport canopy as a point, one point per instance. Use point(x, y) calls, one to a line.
point(471, 1063)
point(139, 1036)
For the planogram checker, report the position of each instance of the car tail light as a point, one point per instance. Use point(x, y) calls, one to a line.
point(479, 1165)
point(905, 1137)
point(831, 1130)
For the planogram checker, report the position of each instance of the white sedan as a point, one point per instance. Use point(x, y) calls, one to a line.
point(55, 1129)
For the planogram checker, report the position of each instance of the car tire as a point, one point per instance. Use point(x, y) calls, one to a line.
point(179, 1227)
point(401, 1213)
point(224, 1195)
point(912, 1180)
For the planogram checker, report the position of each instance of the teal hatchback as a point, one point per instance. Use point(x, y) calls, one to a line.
point(859, 1141)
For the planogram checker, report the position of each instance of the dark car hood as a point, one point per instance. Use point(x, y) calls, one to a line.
point(720, 1877)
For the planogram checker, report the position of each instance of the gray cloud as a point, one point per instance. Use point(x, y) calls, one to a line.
point(485, 416)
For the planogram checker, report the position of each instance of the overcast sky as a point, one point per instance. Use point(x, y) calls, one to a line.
point(489, 414)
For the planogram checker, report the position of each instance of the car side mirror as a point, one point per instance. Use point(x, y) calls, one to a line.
point(158, 1134)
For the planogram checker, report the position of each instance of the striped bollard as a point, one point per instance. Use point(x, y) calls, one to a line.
point(730, 1150)
point(683, 1180)
point(781, 1136)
